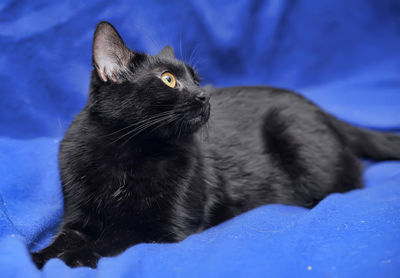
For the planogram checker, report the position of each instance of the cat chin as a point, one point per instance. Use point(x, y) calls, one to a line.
point(193, 124)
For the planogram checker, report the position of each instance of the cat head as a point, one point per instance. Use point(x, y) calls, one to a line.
point(148, 95)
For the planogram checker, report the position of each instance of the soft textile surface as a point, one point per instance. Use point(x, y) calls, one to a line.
point(343, 55)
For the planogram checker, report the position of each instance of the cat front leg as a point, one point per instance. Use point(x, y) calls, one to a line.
point(83, 256)
point(67, 239)
point(107, 245)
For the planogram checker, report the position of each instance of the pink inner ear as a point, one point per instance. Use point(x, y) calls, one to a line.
point(103, 57)
point(110, 54)
point(101, 74)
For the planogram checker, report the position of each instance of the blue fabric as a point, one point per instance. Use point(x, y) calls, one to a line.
point(343, 55)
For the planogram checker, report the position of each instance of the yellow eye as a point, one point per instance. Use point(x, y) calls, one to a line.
point(169, 79)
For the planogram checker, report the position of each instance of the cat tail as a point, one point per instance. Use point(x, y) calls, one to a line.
point(367, 143)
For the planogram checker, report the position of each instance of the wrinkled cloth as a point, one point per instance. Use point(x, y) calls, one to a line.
point(342, 55)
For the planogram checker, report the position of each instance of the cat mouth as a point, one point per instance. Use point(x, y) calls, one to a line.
point(200, 117)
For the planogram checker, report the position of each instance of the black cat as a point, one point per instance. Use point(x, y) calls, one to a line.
point(134, 167)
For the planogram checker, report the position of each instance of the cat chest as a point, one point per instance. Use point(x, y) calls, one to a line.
point(133, 197)
point(122, 208)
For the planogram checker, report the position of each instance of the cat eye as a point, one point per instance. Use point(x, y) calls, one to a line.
point(169, 79)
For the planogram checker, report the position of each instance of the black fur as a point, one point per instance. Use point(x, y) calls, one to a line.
point(135, 167)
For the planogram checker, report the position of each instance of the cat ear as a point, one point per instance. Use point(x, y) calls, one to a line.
point(110, 54)
point(167, 52)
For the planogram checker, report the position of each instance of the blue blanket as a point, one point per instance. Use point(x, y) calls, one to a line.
point(343, 55)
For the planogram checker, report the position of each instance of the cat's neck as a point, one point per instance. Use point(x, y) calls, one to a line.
point(147, 145)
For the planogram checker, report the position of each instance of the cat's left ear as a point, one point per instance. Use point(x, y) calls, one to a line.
point(167, 52)
point(111, 57)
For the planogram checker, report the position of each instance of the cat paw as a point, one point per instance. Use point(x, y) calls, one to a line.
point(80, 257)
point(38, 259)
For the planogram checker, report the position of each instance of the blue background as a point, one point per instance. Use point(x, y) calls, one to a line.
point(343, 55)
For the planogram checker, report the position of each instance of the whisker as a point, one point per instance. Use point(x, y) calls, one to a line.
point(192, 54)
point(139, 122)
point(180, 127)
point(144, 125)
point(180, 47)
point(168, 121)
point(144, 128)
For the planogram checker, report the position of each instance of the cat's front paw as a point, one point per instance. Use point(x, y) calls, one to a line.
point(80, 257)
point(38, 259)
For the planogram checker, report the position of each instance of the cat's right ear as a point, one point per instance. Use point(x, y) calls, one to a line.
point(110, 54)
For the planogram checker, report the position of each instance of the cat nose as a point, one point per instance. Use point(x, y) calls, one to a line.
point(202, 97)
